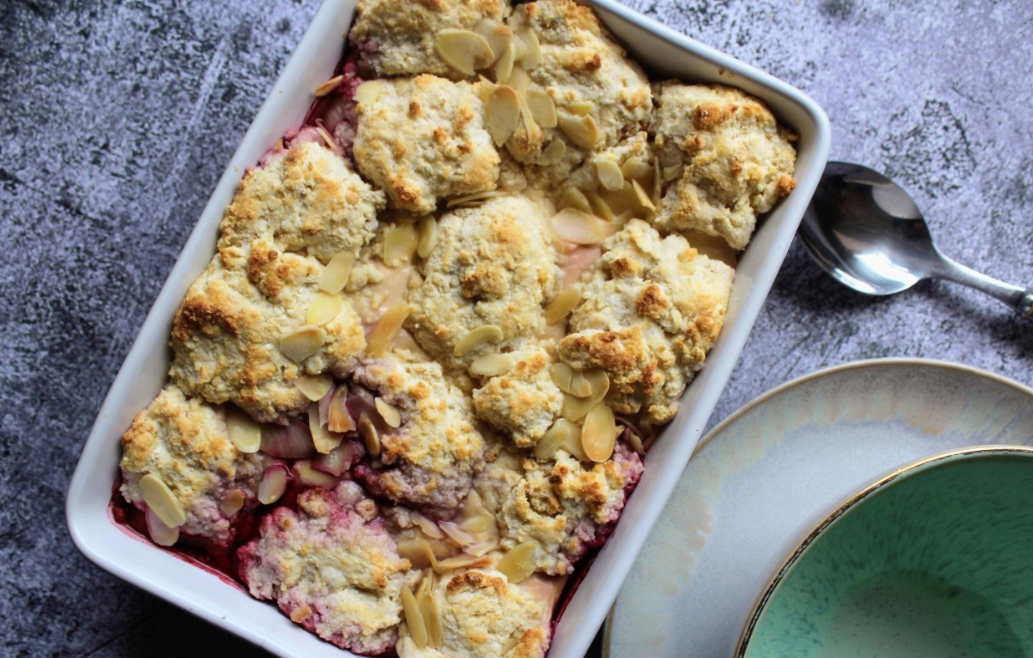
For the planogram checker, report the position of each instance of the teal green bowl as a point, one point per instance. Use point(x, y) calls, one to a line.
point(934, 560)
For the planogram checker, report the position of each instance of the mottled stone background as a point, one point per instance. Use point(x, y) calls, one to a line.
point(117, 117)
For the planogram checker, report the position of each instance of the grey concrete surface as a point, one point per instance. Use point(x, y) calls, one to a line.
point(117, 117)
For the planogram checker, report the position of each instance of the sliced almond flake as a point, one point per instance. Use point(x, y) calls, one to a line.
point(414, 619)
point(579, 386)
point(417, 551)
point(273, 484)
point(324, 440)
point(624, 217)
point(432, 617)
point(643, 198)
point(463, 50)
point(497, 35)
point(323, 308)
point(636, 444)
point(543, 109)
point(518, 563)
point(370, 436)
point(426, 526)
point(504, 64)
point(519, 81)
point(635, 167)
point(599, 206)
point(575, 198)
point(583, 131)
point(303, 343)
point(314, 387)
point(531, 127)
point(330, 142)
point(487, 333)
point(599, 433)
point(477, 524)
point(562, 305)
point(329, 85)
point(575, 408)
point(308, 475)
point(491, 365)
point(552, 154)
point(232, 502)
point(532, 55)
point(426, 584)
point(338, 419)
point(160, 534)
point(457, 534)
point(561, 375)
point(427, 229)
point(386, 328)
point(671, 173)
point(335, 276)
point(475, 198)
point(368, 92)
point(502, 114)
point(399, 244)
point(482, 548)
point(599, 382)
point(161, 500)
point(463, 560)
point(391, 416)
point(244, 433)
point(562, 433)
point(580, 227)
point(580, 108)
point(610, 175)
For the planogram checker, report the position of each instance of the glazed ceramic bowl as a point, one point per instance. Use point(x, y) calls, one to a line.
point(932, 560)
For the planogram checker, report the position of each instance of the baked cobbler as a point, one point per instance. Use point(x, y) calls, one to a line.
point(414, 387)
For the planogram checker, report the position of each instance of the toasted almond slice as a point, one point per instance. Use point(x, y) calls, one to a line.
point(328, 139)
point(324, 440)
point(502, 114)
point(583, 131)
point(531, 127)
point(579, 386)
point(543, 109)
point(563, 433)
point(491, 365)
point(426, 526)
point(303, 343)
point(245, 434)
point(599, 382)
point(368, 92)
point(427, 229)
point(553, 153)
point(599, 206)
point(160, 534)
point(370, 436)
point(562, 305)
point(463, 50)
point(599, 433)
point(329, 85)
point(388, 325)
point(432, 618)
point(562, 375)
point(580, 108)
point(635, 167)
point(335, 276)
point(314, 386)
point(391, 416)
point(643, 198)
point(463, 560)
point(504, 64)
point(309, 476)
point(273, 484)
point(496, 34)
point(518, 563)
point(323, 308)
point(426, 584)
point(671, 173)
point(580, 227)
point(575, 408)
point(399, 244)
point(417, 551)
point(476, 524)
point(532, 56)
point(486, 333)
point(161, 500)
point(414, 619)
point(475, 198)
point(658, 187)
point(610, 175)
point(519, 81)
point(232, 502)
point(575, 198)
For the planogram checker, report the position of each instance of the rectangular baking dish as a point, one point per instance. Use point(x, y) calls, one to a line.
point(664, 53)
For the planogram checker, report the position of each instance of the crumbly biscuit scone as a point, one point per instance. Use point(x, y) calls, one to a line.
point(565, 506)
point(423, 139)
point(727, 158)
point(306, 200)
point(588, 78)
point(649, 313)
point(400, 40)
point(332, 567)
point(523, 401)
point(483, 615)
point(493, 266)
point(228, 335)
point(430, 458)
point(184, 442)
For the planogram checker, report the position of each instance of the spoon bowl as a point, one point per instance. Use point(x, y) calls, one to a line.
point(869, 234)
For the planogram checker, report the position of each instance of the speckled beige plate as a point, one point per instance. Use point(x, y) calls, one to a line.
point(765, 475)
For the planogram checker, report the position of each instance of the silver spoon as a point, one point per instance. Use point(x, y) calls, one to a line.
point(866, 231)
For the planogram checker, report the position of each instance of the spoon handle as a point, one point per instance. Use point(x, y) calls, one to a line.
point(1020, 299)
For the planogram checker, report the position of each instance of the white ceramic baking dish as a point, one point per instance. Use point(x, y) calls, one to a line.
point(664, 53)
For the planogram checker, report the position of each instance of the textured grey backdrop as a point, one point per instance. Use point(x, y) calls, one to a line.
point(117, 117)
